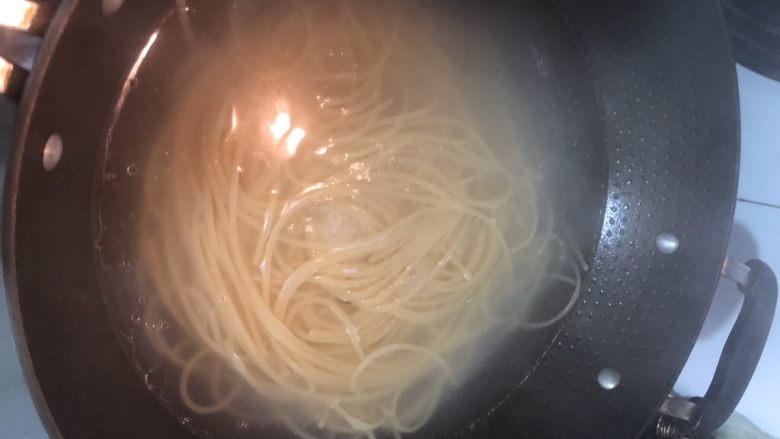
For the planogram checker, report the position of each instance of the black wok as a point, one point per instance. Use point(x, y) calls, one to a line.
point(635, 104)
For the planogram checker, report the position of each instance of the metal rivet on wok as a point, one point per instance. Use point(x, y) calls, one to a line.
point(111, 6)
point(52, 152)
point(667, 243)
point(609, 378)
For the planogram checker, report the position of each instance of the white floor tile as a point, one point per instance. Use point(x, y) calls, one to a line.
point(756, 233)
point(18, 418)
point(759, 178)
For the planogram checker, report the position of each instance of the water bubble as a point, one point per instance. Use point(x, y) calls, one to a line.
point(185, 420)
point(243, 424)
point(157, 326)
point(141, 300)
point(155, 377)
point(132, 169)
point(109, 176)
point(135, 318)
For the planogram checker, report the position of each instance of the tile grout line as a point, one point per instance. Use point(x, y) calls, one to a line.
point(758, 203)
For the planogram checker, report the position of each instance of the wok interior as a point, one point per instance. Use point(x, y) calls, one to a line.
point(552, 103)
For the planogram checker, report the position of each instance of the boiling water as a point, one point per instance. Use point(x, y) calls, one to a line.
point(332, 219)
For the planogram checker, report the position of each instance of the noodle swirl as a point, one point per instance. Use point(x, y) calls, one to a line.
point(334, 228)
